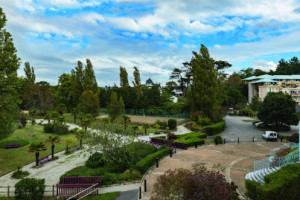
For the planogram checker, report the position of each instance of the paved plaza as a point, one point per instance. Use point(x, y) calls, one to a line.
point(237, 160)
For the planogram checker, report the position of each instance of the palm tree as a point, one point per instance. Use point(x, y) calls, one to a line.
point(74, 112)
point(81, 116)
point(61, 108)
point(69, 141)
point(37, 147)
point(145, 126)
point(48, 116)
point(61, 119)
point(126, 120)
point(52, 140)
point(85, 123)
point(135, 128)
point(81, 134)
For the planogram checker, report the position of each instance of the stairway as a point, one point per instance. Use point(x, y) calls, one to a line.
point(259, 175)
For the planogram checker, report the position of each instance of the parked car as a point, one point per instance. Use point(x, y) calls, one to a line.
point(270, 136)
point(255, 121)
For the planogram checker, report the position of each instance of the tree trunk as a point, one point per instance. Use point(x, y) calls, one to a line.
point(145, 131)
point(52, 151)
point(37, 154)
point(67, 150)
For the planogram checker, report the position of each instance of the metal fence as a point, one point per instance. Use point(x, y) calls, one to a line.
point(150, 113)
point(274, 161)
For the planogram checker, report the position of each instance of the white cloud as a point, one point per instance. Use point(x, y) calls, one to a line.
point(264, 65)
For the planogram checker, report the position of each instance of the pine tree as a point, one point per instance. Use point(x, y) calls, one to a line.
point(137, 77)
point(123, 77)
point(116, 107)
point(9, 82)
point(89, 79)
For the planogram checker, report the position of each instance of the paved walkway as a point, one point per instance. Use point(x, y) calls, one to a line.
point(237, 159)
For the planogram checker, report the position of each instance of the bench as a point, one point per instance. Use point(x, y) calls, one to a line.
point(44, 160)
point(161, 132)
point(76, 148)
point(9, 146)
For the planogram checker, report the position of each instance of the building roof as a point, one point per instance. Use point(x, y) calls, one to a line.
point(149, 81)
point(276, 77)
point(265, 81)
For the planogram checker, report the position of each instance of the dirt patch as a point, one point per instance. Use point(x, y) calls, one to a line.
point(142, 119)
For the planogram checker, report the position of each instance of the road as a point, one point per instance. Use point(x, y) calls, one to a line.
point(236, 127)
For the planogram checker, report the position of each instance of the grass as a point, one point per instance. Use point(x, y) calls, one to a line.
point(10, 159)
point(106, 196)
point(248, 120)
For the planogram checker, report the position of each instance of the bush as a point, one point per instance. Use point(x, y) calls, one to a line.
point(19, 174)
point(162, 125)
point(49, 128)
point(4, 142)
point(131, 175)
point(218, 139)
point(246, 112)
point(281, 128)
point(172, 124)
point(56, 128)
point(147, 162)
point(172, 136)
point(23, 119)
point(191, 138)
point(30, 189)
point(294, 138)
point(95, 160)
point(283, 184)
point(215, 128)
point(203, 121)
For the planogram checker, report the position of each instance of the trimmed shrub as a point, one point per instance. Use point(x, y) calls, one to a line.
point(19, 174)
point(131, 175)
point(215, 128)
point(163, 125)
point(218, 139)
point(147, 162)
point(56, 128)
point(246, 112)
point(95, 160)
point(30, 189)
point(48, 128)
point(4, 142)
point(203, 121)
point(283, 184)
point(172, 124)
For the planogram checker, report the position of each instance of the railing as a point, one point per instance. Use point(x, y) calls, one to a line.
point(90, 190)
point(274, 161)
point(291, 145)
point(81, 179)
point(70, 189)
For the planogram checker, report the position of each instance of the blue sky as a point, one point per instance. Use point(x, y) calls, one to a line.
point(155, 36)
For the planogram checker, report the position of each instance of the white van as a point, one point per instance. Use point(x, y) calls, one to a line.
point(270, 135)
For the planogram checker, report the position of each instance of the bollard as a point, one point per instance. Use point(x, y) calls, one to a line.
point(253, 139)
point(175, 151)
point(267, 140)
point(238, 139)
point(140, 193)
point(224, 140)
point(156, 162)
point(280, 139)
point(196, 145)
point(171, 152)
point(145, 185)
point(216, 142)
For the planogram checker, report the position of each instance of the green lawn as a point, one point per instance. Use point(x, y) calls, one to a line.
point(11, 158)
point(248, 120)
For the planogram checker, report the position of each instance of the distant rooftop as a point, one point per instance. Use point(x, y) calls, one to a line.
point(271, 77)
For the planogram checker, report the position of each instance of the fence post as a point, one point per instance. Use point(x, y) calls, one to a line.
point(52, 190)
point(8, 191)
point(145, 185)
point(140, 193)
point(156, 162)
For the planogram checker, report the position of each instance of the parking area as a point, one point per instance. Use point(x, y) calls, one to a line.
point(236, 127)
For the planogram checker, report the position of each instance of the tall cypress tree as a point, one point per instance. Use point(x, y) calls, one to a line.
point(9, 82)
point(204, 88)
point(89, 79)
point(123, 77)
point(29, 73)
point(77, 83)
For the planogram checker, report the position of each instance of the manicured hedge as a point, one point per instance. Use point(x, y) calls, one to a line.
point(283, 184)
point(172, 123)
point(191, 138)
point(192, 135)
point(30, 189)
point(13, 141)
point(147, 162)
point(215, 128)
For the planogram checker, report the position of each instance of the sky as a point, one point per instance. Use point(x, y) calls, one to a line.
point(155, 36)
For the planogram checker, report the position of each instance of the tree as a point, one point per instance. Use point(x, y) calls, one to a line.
point(53, 140)
point(37, 147)
point(77, 83)
point(234, 97)
point(145, 127)
point(234, 81)
point(85, 123)
point(89, 103)
point(29, 73)
point(69, 141)
point(116, 107)
point(89, 79)
point(255, 103)
point(126, 120)
point(204, 88)
point(279, 109)
point(64, 90)
point(123, 77)
point(80, 135)
point(61, 108)
point(221, 65)
point(9, 82)
point(137, 77)
point(61, 119)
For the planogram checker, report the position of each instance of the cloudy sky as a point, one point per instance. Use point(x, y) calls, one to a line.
point(155, 36)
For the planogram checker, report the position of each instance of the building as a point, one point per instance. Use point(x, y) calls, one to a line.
point(260, 86)
point(149, 83)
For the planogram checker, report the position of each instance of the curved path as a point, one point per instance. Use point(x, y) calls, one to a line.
point(236, 159)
